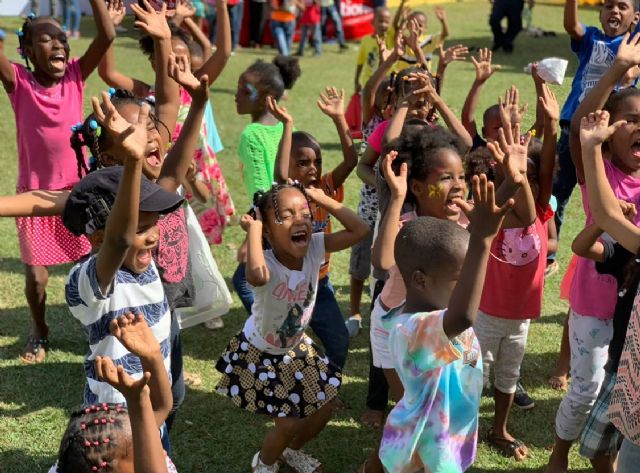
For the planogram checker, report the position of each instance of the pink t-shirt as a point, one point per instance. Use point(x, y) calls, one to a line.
point(375, 139)
point(44, 117)
point(514, 281)
point(594, 294)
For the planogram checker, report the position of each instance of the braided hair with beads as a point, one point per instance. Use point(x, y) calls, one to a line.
point(96, 438)
point(89, 133)
point(263, 200)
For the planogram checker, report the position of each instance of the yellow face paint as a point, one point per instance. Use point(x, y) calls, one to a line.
point(433, 191)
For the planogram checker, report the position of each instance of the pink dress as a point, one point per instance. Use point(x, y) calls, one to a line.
point(44, 117)
point(216, 213)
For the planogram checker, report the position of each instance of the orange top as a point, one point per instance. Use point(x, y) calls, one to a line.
point(283, 11)
point(322, 219)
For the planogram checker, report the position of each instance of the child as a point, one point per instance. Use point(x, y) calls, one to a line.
point(593, 297)
point(259, 140)
point(514, 283)
point(608, 215)
point(47, 101)
point(426, 44)
point(118, 212)
point(310, 23)
point(435, 352)
point(596, 49)
point(368, 56)
point(115, 437)
point(262, 368)
point(300, 159)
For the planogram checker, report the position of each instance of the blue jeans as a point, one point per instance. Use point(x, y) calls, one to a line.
point(283, 35)
point(326, 321)
point(565, 180)
point(212, 17)
point(236, 13)
point(628, 457)
point(332, 12)
point(317, 38)
point(71, 7)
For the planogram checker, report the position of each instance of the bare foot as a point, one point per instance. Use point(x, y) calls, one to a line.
point(559, 383)
point(371, 418)
point(35, 351)
point(192, 379)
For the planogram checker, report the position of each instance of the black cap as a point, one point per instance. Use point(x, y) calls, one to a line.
point(91, 200)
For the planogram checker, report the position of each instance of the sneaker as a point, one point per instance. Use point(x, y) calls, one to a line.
point(299, 461)
point(522, 399)
point(259, 467)
point(353, 326)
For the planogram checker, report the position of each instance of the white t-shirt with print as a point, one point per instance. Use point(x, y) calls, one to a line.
point(282, 308)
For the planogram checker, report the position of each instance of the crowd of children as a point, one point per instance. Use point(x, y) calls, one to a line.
point(455, 225)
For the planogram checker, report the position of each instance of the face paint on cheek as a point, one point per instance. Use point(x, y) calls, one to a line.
point(434, 191)
point(253, 92)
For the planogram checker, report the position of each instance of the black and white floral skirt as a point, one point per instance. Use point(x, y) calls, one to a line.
point(296, 384)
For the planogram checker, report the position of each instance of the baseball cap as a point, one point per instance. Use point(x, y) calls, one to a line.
point(91, 200)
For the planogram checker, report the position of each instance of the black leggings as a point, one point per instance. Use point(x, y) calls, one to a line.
point(378, 389)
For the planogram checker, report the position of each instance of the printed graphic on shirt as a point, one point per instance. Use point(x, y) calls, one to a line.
point(518, 246)
point(601, 58)
point(299, 310)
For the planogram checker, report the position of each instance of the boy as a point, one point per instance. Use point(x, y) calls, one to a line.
point(428, 43)
point(368, 53)
point(117, 209)
point(435, 425)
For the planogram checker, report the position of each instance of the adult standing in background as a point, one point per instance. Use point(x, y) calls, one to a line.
point(53, 4)
point(236, 12)
point(257, 20)
point(71, 10)
point(330, 9)
point(512, 11)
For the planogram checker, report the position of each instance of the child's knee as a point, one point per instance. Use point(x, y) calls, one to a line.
point(36, 278)
point(288, 427)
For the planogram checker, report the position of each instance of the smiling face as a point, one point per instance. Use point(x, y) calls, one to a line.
point(139, 257)
point(381, 21)
point(624, 145)
point(290, 237)
point(48, 50)
point(434, 195)
point(155, 144)
point(617, 16)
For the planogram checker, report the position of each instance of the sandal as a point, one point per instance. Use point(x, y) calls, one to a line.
point(35, 350)
point(559, 383)
point(301, 462)
point(509, 448)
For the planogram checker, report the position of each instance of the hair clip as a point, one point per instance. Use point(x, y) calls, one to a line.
point(533, 133)
point(20, 33)
point(87, 443)
point(83, 426)
point(107, 440)
point(94, 468)
point(77, 127)
point(87, 410)
point(96, 443)
point(31, 16)
point(119, 408)
point(92, 160)
point(622, 293)
point(112, 92)
point(95, 127)
point(96, 422)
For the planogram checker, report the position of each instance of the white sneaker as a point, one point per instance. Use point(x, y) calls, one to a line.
point(300, 461)
point(259, 467)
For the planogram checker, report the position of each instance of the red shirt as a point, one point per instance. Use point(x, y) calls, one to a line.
point(311, 14)
point(515, 273)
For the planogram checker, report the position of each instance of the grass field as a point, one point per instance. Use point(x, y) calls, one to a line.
point(210, 434)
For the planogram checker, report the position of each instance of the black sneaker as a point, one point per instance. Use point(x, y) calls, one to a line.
point(522, 399)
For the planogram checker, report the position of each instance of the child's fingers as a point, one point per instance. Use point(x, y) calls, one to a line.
point(497, 153)
point(143, 115)
point(97, 109)
point(465, 206)
point(503, 138)
point(508, 205)
point(482, 188)
point(617, 125)
point(99, 370)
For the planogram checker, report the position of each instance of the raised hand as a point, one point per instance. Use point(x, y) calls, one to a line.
point(440, 13)
point(152, 21)
point(180, 71)
point(425, 86)
point(595, 128)
point(121, 380)
point(129, 138)
point(550, 104)
point(117, 11)
point(483, 65)
point(511, 154)
point(383, 51)
point(332, 102)
point(184, 9)
point(629, 51)
point(280, 113)
point(413, 40)
point(135, 335)
point(484, 215)
point(457, 52)
point(247, 220)
point(510, 111)
point(400, 44)
point(537, 80)
point(397, 183)
point(316, 195)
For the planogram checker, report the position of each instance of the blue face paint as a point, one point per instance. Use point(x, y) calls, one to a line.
point(253, 92)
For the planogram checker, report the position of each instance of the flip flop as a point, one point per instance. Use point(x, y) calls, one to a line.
point(39, 348)
point(509, 448)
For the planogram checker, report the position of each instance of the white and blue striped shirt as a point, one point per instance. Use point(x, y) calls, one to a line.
point(129, 292)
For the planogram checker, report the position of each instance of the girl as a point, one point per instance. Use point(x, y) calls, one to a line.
point(300, 159)
point(46, 97)
point(259, 140)
point(592, 296)
point(272, 367)
point(213, 217)
point(112, 437)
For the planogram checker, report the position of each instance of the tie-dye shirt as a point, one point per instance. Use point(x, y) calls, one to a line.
point(434, 427)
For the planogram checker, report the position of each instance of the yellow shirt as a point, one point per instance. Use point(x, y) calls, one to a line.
point(429, 44)
point(368, 57)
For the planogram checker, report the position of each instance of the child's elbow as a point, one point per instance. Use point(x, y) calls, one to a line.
point(577, 248)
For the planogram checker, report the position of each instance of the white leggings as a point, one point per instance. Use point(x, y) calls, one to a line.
point(589, 341)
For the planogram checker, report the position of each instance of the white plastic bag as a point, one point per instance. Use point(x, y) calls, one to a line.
point(211, 295)
point(551, 69)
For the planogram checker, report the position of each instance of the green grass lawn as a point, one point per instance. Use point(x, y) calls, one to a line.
point(210, 433)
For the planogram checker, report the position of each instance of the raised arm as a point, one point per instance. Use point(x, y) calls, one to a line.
point(281, 167)
point(606, 211)
point(382, 256)
point(332, 105)
point(441, 15)
point(399, 16)
point(199, 37)
point(551, 110)
point(196, 187)
point(257, 270)
point(178, 160)
point(364, 170)
point(215, 64)
point(387, 60)
point(355, 229)
point(122, 224)
point(7, 75)
point(39, 203)
point(457, 52)
point(105, 34)
point(484, 70)
point(571, 23)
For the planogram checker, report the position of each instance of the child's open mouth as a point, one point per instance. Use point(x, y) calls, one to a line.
point(614, 23)
point(300, 238)
point(635, 149)
point(58, 62)
point(452, 206)
point(143, 257)
point(154, 159)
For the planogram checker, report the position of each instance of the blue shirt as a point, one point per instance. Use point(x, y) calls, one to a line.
point(596, 53)
point(213, 138)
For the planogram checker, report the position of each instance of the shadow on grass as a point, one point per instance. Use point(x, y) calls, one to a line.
point(18, 459)
point(16, 266)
